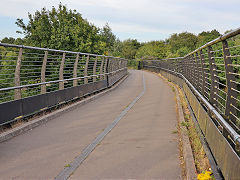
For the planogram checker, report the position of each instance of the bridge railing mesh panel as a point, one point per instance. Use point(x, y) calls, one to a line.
point(28, 71)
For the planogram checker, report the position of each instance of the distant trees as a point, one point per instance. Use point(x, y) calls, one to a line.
point(182, 43)
point(207, 36)
point(130, 48)
point(7, 40)
point(177, 45)
point(152, 49)
point(11, 40)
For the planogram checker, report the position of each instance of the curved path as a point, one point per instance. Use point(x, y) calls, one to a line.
point(141, 146)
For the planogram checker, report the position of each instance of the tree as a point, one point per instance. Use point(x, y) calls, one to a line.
point(117, 48)
point(108, 37)
point(61, 29)
point(153, 49)
point(130, 47)
point(207, 36)
point(184, 39)
point(7, 40)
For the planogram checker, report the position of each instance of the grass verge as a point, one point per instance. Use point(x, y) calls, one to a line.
point(200, 158)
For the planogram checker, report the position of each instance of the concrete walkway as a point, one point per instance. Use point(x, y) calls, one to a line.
point(141, 146)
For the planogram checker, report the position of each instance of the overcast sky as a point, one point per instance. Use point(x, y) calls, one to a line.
point(144, 20)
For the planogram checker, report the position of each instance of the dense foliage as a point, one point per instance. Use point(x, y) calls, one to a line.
point(65, 29)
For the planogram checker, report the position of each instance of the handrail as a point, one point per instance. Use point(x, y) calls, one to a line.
point(53, 50)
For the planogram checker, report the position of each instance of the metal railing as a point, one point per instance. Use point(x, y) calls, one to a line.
point(31, 71)
point(212, 72)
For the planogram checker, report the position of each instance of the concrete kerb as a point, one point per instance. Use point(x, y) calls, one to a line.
point(190, 169)
point(37, 122)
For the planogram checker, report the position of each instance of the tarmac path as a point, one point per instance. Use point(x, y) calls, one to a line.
point(142, 145)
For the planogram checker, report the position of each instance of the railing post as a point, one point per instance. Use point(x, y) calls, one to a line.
point(188, 73)
point(17, 92)
point(106, 68)
point(181, 64)
point(193, 70)
point(184, 67)
point(175, 67)
point(110, 65)
point(178, 65)
point(61, 84)
point(230, 82)
point(43, 73)
point(139, 65)
point(119, 67)
point(95, 69)
point(214, 78)
point(101, 68)
point(187, 67)
point(193, 76)
point(86, 70)
point(115, 67)
point(203, 67)
point(115, 64)
point(75, 81)
point(109, 69)
point(198, 71)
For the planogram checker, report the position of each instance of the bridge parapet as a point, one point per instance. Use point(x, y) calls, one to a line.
point(210, 78)
point(33, 79)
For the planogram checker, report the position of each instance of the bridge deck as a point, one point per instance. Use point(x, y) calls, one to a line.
point(142, 145)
